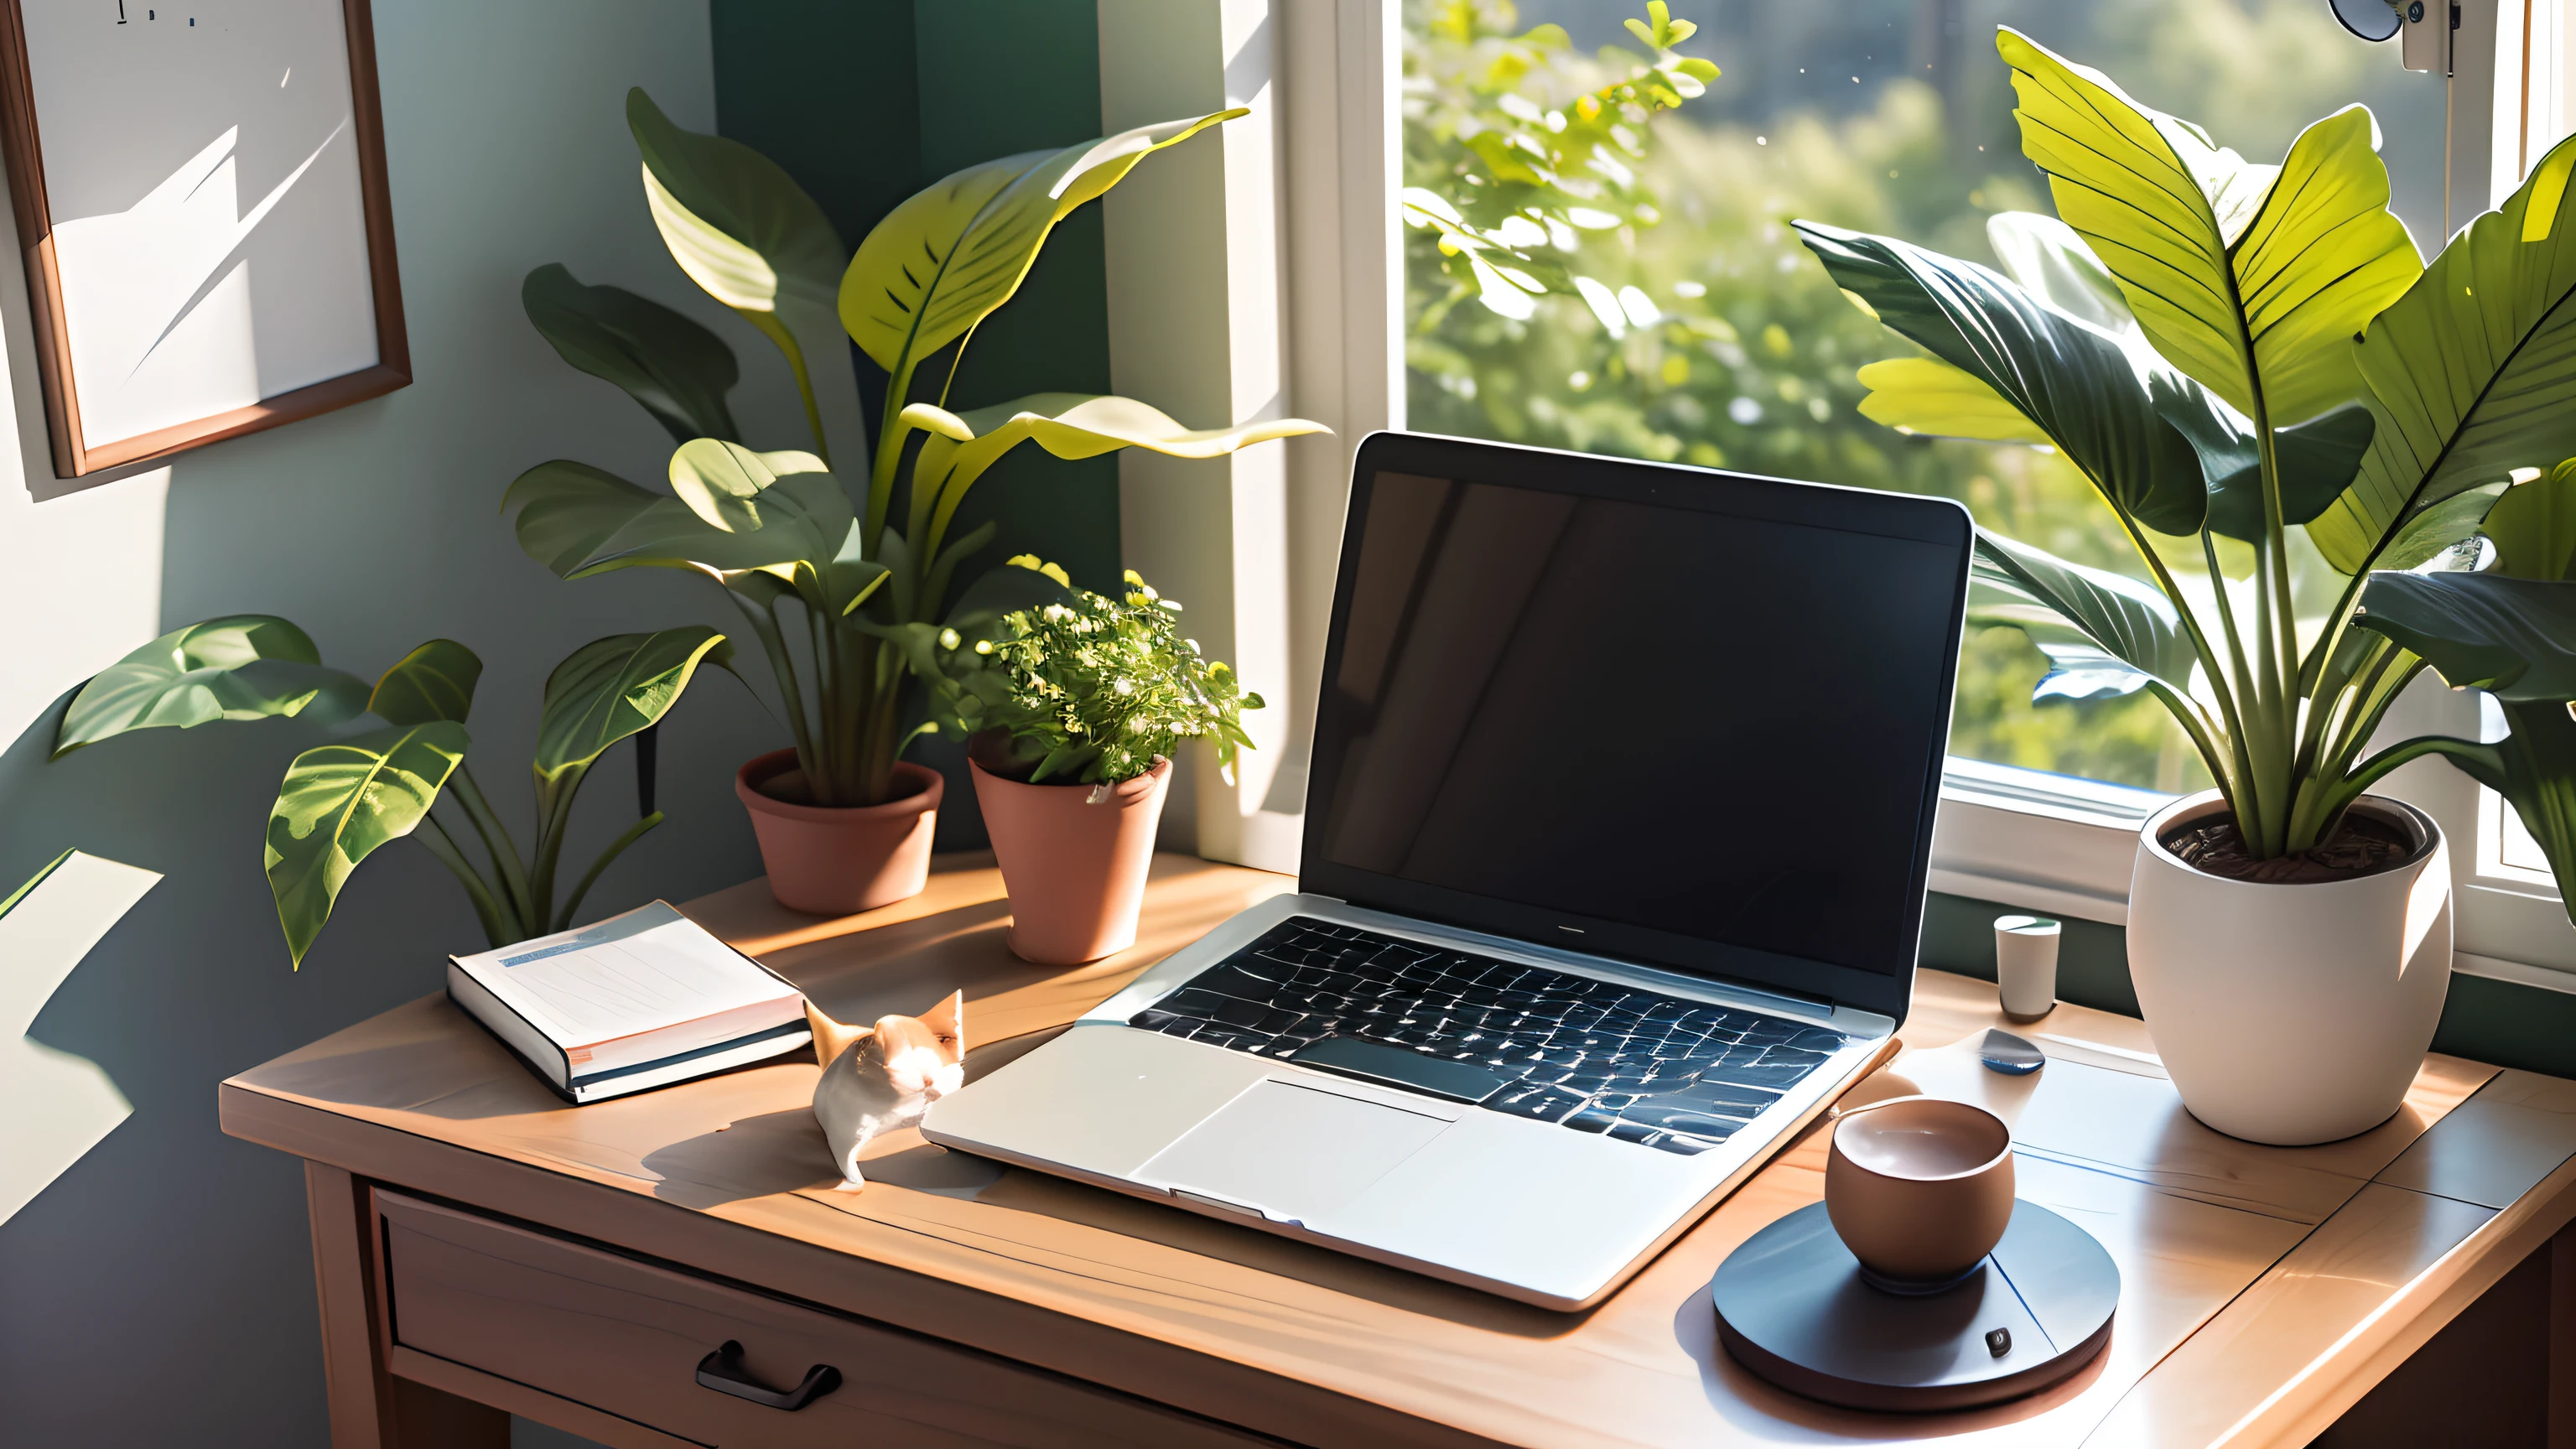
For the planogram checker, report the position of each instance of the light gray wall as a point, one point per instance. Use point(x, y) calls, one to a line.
point(160, 1291)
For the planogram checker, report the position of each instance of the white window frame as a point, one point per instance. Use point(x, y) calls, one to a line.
point(1263, 274)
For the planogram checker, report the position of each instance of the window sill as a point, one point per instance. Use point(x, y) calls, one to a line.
point(2066, 847)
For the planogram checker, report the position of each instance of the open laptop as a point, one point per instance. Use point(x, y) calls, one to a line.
point(1616, 835)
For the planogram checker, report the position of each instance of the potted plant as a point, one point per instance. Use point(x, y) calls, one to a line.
point(1072, 715)
point(343, 798)
point(2328, 457)
point(844, 823)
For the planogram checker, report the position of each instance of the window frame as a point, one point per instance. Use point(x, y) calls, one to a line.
point(1309, 196)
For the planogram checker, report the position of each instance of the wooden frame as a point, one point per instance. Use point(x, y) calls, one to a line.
point(22, 149)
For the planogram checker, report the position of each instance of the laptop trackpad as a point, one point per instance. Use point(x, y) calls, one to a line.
point(1292, 1152)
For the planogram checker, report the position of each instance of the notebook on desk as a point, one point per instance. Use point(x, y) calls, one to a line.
point(1616, 834)
point(639, 1000)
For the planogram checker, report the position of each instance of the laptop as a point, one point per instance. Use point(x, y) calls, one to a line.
point(1616, 832)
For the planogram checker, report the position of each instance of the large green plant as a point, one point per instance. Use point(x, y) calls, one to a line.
point(2283, 407)
point(852, 599)
point(342, 799)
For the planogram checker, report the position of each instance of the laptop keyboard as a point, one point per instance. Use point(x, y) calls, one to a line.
point(1592, 1056)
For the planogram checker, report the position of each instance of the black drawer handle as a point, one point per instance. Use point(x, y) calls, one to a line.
point(723, 1372)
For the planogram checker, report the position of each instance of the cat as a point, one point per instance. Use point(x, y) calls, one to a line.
point(881, 1078)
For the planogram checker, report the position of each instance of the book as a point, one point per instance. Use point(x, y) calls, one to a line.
point(639, 1000)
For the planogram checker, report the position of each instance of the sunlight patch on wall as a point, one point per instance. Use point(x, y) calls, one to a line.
point(54, 1106)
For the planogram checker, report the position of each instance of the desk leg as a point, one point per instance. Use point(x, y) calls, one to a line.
point(370, 1407)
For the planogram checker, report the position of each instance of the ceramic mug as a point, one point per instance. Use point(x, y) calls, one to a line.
point(1920, 1189)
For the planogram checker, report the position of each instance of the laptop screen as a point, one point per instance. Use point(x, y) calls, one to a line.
point(1689, 718)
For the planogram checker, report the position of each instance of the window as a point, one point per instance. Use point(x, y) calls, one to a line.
point(1817, 103)
point(1703, 332)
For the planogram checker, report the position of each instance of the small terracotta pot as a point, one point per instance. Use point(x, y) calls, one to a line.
point(1920, 1189)
point(1075, 870)
point(836, 861)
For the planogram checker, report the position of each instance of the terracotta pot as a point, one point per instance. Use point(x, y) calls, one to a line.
point(1920, 1189)
point(835, 861)
point(2291, 1014)
point(1075, 870)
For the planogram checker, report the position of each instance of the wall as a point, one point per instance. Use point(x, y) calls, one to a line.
point(867, 101)
point(160, 1291)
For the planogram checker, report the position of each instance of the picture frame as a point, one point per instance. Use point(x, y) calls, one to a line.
point(202, 201)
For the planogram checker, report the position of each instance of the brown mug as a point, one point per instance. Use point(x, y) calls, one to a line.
point(1920, 1189)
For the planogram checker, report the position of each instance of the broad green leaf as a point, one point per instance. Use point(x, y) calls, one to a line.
point(2444, 526)
point(2079, 384)
point(2128, 620)
point(2321, 259)
point(434, 681)
point(1929, 397)
point(943, 260)
point(2534, 527)
point(338, 803)
point(2515, 638)
point(2537, 773)
point(2051, 262)
point(613, 687)
point(239, 667)
point(961, 446)
point(733, 219)
point(2473, 370)
point(722, 483)
point(2248, 278)
point(579, 521)
point(678, 370)
point(2317, 459)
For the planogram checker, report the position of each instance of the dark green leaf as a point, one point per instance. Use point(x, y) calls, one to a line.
point(678, 370)
point(2078, 383)
point(742, 229)
point(2515, 638)
point(434, 681)
point(338, 803)
point(239, 667)
point(2317, 459)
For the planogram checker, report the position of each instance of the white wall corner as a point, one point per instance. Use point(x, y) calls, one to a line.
point(1229, 261)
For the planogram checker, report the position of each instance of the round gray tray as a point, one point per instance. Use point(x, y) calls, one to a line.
point(1791, 1307)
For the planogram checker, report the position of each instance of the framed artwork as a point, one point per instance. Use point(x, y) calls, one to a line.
point(200, 192)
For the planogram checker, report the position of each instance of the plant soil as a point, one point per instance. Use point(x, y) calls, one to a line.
point(2361, 846)
point(788, 787)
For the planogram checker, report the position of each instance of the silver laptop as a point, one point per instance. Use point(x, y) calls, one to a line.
point(1616, 835)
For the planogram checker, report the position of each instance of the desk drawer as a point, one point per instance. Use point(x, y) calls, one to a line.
point(628, 1337)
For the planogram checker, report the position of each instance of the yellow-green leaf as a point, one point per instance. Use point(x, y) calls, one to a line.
point(238, 667)
point(943, 260)
point(611, 688)
point(2248, 278)
point(722, 482)
point(1928, 396)
point(2472, 371)
point(2534, 527)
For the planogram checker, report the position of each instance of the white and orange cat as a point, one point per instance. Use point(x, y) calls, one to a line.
point(880, 1078)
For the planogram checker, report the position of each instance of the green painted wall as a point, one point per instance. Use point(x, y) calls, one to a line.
point(867, 101)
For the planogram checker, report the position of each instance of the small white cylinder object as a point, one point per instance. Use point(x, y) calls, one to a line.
point(2026, 965)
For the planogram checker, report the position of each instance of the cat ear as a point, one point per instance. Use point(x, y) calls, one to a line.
point(831, 1038)
point(947, 1021)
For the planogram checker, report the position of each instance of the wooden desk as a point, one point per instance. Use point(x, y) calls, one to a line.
point(2266, 1289)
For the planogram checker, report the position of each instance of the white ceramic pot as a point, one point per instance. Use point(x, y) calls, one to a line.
point(2291, 1014)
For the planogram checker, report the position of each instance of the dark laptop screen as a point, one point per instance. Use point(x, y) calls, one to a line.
point(1720, 725)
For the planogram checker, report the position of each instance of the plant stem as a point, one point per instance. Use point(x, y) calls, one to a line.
point(504, 851)
point(438, 843)
point(555, 798)
point(782, 668)
point(617, 847)
point(775, 328)
point(2368, 772)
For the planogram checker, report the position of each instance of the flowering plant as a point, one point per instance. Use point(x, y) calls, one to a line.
point(1095, 690)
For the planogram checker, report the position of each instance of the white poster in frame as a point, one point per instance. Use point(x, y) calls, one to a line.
point(200, 191)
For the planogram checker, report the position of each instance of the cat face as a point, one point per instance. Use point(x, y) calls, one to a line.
point(925, 1053)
